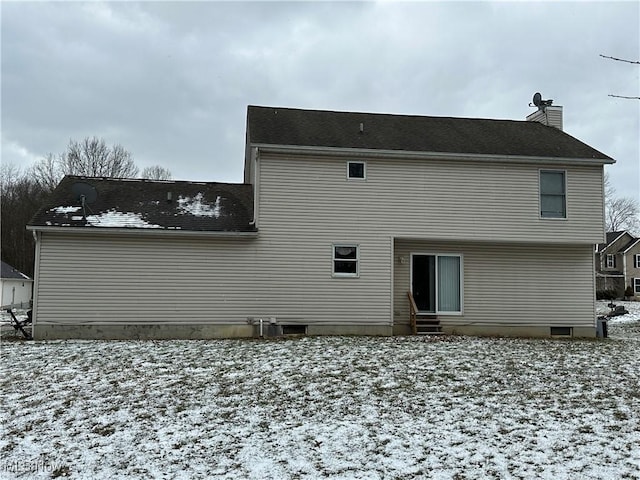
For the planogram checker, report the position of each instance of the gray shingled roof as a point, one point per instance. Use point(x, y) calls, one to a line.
point(8, 272)
point(287, 126)
point(138, 204)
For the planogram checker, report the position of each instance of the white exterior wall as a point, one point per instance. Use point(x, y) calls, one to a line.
point(108, 279)
point(116, 280)
point(305, 205)
point(16, 291)
point(543, 268)
point(416, 198)
point(510, 284)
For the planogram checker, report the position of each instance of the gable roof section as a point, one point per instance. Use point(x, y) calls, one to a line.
point(150, 205)
point(7, 272)
point(617, 242)
point(610, 237)
point(295, 127)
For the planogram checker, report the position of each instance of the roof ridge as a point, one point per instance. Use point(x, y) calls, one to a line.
point(382, 114)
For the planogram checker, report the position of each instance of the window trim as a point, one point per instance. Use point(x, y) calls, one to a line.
point(610, 264)
point(335, 274)
point(364, 171)
point(636, 260)
point(566, 206)
point(636, 286)
point(461, 272)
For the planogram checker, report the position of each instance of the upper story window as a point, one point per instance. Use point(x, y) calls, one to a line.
point(636, 286)
point(611, 261)
point(553, 197)
point(636, 260)
point(356, 170)
point(345, 260)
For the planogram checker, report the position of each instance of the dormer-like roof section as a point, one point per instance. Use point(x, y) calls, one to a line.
point(372, 131)
point(148, 205)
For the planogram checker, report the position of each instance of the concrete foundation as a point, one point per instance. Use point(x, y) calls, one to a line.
point(198, 332)
point(370, 330)
point(140, 332)
point(517, 331)
point(188, 332)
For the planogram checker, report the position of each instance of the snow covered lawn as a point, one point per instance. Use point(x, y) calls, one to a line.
point(336, 407)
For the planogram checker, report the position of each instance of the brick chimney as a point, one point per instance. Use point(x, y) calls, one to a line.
point(547, 114)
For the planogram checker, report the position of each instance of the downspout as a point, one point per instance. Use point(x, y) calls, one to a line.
point(624, 273)
point(256, 186)
point(36, 283)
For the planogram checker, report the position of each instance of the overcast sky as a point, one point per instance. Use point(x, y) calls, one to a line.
point(171, 81)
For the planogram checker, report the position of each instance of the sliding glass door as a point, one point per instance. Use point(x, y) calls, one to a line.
point(436, 283)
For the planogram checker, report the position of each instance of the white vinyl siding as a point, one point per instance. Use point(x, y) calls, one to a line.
point(135, 279)
point(436, 199)
point(108, 279)
point(508, 284)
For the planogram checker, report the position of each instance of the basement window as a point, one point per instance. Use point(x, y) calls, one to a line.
point(561, 331)
point(356, 170)
point(294, 329)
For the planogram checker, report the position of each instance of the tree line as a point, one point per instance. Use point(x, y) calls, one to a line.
point(23, 191)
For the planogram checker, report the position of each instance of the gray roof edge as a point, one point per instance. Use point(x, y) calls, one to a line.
point(143, 231)
point(377, 153)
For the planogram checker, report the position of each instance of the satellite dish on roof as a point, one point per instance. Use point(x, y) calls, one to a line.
point(537, 99)
point(84, 193)
point(539, 102)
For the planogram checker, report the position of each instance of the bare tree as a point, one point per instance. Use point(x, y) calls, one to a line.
point(156, 172)
point(20, 198)
point(91, 157)
point(47, 172)
point(621, 213)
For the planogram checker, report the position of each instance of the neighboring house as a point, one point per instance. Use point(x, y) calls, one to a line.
point(491, 224)
point(618, 264)
point(17, 288)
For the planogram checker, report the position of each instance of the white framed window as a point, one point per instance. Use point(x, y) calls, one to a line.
point(356, 170)
point(636, 286)
point(636, 260)
point(346, 259)
point(436, 282)
point(553, 194)
point(611, 261)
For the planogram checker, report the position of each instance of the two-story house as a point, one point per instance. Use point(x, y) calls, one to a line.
point(490, 225)
point(618, 264)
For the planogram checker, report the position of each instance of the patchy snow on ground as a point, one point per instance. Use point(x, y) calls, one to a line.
point(323, 407)
point(602, 308)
